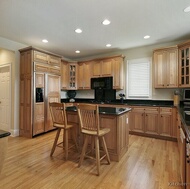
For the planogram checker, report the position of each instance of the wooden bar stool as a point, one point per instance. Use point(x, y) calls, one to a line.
point(59, 118)
point(90, 127)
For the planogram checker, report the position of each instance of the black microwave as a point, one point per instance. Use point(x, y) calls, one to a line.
point(102, 83)
point(186, 94)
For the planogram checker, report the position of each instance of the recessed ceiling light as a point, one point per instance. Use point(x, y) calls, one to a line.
point(77, 51)
point(78, 30)
point(45, 41)
point(108, 45)
point(106, 22)
point(146, 36)
point(187, 9)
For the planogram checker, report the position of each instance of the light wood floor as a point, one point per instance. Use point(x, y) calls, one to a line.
point(148, 164)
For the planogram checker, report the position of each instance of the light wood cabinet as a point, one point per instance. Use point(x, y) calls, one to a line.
point(144, 120)
point(117, 72)
point(166, 67)
point(184, 67)
point(64, 75)
point(35, 71)
point(137, 119)
point(165, 128)
point(102, 68)
point(84, 75)
point(153, 121)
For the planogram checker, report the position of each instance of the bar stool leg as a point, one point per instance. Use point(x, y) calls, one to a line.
point(83, 150)
point(55, 141)
point(97, 154)
point(105, 149)
point(66, 145)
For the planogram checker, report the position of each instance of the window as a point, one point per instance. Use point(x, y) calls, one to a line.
point(139, 83)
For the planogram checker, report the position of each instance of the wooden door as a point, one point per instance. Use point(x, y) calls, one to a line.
point(5, 98)
point(172, 68)
point(64, 75)
point(160, 59)
point(165, 124)
point(39, 77)
point(87, 75)
point(55, 61)
point(117, 72)
point(52, 95)
point(41, 57)
point(106, 67)
point(81, 75)
point(137, 116)
point(151, 120)
point(96, 71)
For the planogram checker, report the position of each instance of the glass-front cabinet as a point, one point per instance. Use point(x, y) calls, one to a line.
point(72, 76)
point(184, 74)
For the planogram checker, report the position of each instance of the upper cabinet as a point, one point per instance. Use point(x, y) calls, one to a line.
point(69, 74)
point(117, 72)
point(166, 67)
point(184, 74)
point(102, 68)
point(84, 74)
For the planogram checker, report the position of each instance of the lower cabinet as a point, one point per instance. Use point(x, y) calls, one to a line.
point(153, 121)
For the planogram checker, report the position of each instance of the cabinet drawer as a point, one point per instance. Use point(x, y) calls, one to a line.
point(165, 110)
point(152, 110)
point(41, 68)
point(137, 109)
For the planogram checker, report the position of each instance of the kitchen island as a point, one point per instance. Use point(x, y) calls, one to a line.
point(116, 119)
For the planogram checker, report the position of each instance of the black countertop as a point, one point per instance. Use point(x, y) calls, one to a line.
point(4, 133)
point(105, 110)
point(159, 103)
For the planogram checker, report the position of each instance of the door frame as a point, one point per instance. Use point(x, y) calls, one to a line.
point(10, 90)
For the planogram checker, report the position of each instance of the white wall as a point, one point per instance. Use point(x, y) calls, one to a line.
point(9, 54)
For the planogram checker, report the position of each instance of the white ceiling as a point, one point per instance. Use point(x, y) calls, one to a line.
point(30, 21)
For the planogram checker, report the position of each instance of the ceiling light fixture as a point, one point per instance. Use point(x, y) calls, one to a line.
point(77, 51)
point(78, 30)
point(108, 45)
point(106, 22)
point(146, 37)
point(45, 41)
point(187, 9)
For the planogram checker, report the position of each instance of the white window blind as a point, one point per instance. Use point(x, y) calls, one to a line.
point(139, 78)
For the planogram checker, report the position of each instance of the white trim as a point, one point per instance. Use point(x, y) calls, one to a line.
point(10, 89)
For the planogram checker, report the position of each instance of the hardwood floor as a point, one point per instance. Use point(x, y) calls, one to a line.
point(148, 164)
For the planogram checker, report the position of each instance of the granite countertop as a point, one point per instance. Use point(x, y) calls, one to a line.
point(105, 110)
point(156, 103)
point(4, 133)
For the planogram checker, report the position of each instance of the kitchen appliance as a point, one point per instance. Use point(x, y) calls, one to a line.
point(186, 94)
point(105, 95)
point(102, 83)
point(39, 95)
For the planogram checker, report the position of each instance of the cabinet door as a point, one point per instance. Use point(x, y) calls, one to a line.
point(151, 120)
point(40, 57)
point(39, 77)
point(73, 71)
point(96, 71)
point(165, 123)
point(184, 68)
point(55, 61)
point(81, 76)
point(172, 68)
point(64, 75)
point(106, 67)
point(137, 116)
point(38, 126)
point(53, 95)
point(160, 59)
point(117, 72)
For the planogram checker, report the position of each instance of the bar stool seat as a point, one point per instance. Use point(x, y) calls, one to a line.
point(59, 118)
